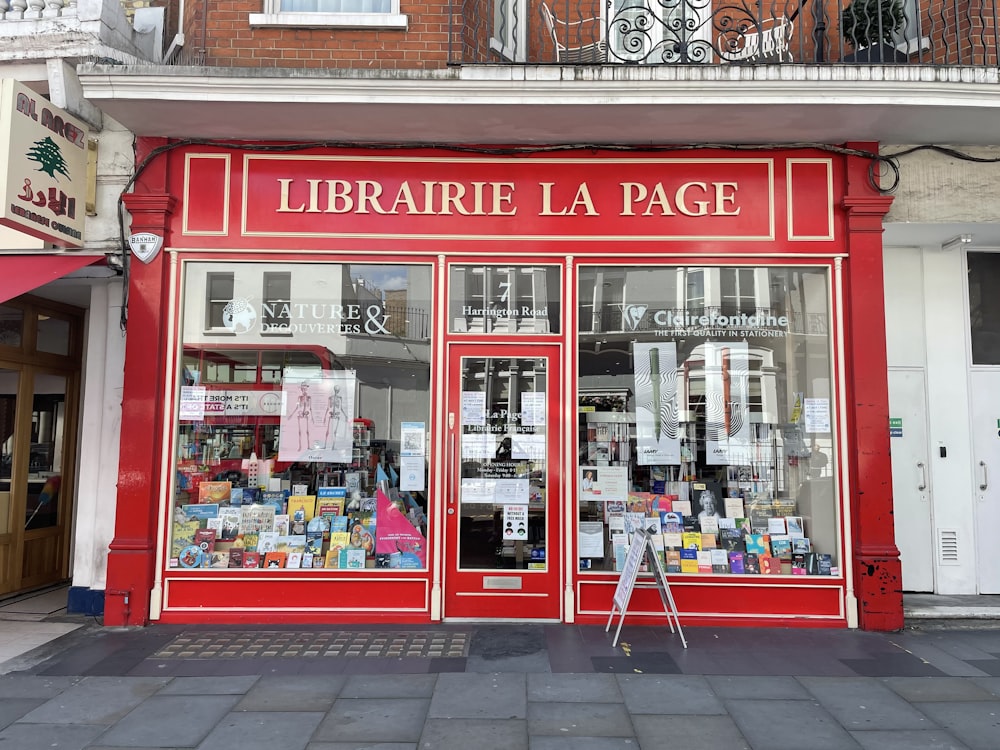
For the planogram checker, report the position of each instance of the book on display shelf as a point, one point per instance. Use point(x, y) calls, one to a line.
point(200, 511)
point(251, 559)
point(229, 526)
point(672, 540)
point(275, 559)
point(205, 538)
point(236, 555)
point(801, 544)
point(183, 536)
point(752, 563)
point(267, 541)
point(691, 539)
point(709, 541)
point(736, 562)
point(732, 540)
point(720, 561)
point(282, 524)
point(672, 558)
point(215, 492)
point(770, 565)
point(307, 559)
point(758, 544)
point(689, 560)
point(704, 561)
point(248, 541)
point(794, 526)
point(294, 560)
point(781, 545)
point(256, 518)
point(824, 564)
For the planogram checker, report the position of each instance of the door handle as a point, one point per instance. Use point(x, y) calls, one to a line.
point(451, 484)
point(986, 478)
point(923, 476)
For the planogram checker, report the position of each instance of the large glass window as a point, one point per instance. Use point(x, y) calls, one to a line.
point(984, 307)
point(705, 413)
point(504, 299)
point(311, 452)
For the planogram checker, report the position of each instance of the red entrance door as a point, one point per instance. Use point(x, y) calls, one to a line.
point(503, 505)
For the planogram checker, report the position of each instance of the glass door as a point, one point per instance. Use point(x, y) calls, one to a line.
point(503, 514)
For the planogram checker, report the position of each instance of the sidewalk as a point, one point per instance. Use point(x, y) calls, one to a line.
point(503, 687)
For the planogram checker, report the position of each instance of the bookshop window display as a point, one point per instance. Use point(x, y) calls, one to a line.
point(302, 417)
point(705, 414)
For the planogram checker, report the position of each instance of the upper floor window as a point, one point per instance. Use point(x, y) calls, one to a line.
point(219, 295)
point(277, 296)
point(341, 13)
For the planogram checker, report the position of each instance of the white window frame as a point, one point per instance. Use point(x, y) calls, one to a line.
point(509, 46)
point(273, 16)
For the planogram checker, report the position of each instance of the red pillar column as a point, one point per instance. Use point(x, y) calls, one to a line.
point(877, 570)
point(132, 552)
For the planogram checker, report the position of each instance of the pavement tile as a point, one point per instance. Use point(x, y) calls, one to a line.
point(989, 684)
point(976, 723)
point(169, 720)
point(989, 666)
point(292, 693)
point(12, 709)
point(263, 730)
point(584, 743)
point(46, 736)
point(536, 662)
point(668, 694)
point(930, 739)
point(361, 746)
point(893, 665)
point(641, 662)
point(34, 686)
point(568, 688)
point(770, 725)
point(579, 720)
point(481, 734)
point(864, 703)
point(209, 685)
point(655, 732)
point(920, 689)
point(475, 696)
point(95, 700)
point(389, 686)
point(743, 686)
point(374, 720)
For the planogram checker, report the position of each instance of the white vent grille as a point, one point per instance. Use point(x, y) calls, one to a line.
point(948, 547)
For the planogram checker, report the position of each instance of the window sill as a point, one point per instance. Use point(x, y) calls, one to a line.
point(328, 20)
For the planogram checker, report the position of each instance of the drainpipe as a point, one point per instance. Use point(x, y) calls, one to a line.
point(178, 40)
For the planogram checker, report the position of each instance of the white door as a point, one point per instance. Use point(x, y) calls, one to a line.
point(911, 478)
point(985, 417)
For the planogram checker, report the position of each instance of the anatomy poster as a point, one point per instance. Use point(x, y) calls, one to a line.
point(655, 371)
point(317, 416)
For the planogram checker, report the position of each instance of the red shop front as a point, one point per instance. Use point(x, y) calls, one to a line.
point(420, 386)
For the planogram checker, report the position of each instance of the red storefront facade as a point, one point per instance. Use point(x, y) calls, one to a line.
point(535, 352)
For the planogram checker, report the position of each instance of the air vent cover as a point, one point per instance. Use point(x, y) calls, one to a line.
point(948, 547)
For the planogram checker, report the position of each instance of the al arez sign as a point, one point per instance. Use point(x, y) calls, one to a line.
point(600, 198)
point(43, 167)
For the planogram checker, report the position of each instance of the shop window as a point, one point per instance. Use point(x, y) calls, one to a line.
point(710, 420)
point(311, 454)
point(343, 13)
point(11, 326)
point(504, 299)
point(984, 308)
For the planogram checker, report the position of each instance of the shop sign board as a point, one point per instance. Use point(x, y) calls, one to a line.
point(558, 197)
point(43, 167)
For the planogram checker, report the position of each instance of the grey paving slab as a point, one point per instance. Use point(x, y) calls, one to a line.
point(48, 736)
point(769, 725)
point(668, 694)
point(209, 685)
point(931, 739)
point(989, 684)
point(12, 709)
point(34, 686)
point(976, 723)
point(361, 746)
point(920, 689)
point(477, 696)
point(584, 743)
point(538, 662)
point(481, 734)
point(170, 720)
point(865, 703)
point(374, 720)
point(389, 686)
point(292, 693)
point(579, 720)
point(263, 730)
point(937, 657)
point(745, 686)
point(95, 700)
point(701, 732)
point(568, 688)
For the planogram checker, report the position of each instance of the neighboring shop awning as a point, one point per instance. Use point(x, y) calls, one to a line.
point(22, 273)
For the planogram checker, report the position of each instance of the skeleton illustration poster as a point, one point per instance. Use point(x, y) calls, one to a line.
point(727, 410)
point(317, 416)
point(655, 372)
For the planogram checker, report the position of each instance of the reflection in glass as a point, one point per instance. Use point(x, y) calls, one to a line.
point(504, 299)
point(11, 326)
point(53, 335)
point(706, 411)
point(45, 459)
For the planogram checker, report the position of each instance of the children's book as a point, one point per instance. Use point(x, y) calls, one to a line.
point(317, 529)
point(249, 541)
point(282, 524)
point(332, 557)
point(274, 498)
point(671, 521)
point(307, 559)
point(214, 492)
point(236, 496)
point(200, 511)
point(229, 526)
point(338, 524)
point(256, 518)
point(781, 545)
point(291, 543)
point(275, 559)
point(294, 560)
point(236, 557)
point(267, 541)
point(184, 532)
point(205, 538)
point(251, 559)
point(352, 559)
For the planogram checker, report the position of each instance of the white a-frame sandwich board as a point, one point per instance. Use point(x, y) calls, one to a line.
point(642, 546)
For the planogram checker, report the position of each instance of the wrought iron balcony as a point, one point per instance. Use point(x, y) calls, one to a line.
point(741, 32)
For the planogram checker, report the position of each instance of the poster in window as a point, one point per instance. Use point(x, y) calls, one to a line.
point(655, 372)
point(727, 408)
point(317, 416)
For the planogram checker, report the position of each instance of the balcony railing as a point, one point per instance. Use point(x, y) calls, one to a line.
point(16, 10)
point(734, 32)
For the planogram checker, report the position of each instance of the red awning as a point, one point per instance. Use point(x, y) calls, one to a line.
point(22, 273)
